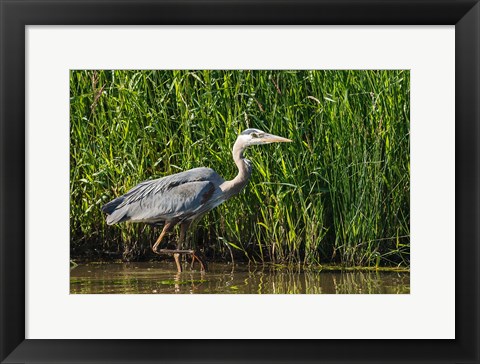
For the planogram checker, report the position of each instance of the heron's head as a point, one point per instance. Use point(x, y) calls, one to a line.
point(250, 137)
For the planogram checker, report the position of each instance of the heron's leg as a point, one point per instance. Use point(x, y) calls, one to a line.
point(193, 261)
point(183, 233)
point(166, 228)
point(177, 262)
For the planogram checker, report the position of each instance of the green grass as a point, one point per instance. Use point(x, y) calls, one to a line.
point(340, 193)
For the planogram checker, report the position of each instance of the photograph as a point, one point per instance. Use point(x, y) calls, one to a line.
point(239, 181)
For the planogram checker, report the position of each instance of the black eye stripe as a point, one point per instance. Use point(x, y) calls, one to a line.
point(251, 131)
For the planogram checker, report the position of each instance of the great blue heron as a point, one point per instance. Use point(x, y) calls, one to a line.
point(186, 196)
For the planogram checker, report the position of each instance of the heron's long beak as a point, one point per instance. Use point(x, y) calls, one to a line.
point(270, 138)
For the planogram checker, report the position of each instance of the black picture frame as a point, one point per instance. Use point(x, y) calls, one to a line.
point(16, 14)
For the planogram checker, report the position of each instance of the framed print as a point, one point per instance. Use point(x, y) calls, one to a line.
point(354, 228)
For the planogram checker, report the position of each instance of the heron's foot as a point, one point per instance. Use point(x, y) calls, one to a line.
point(203, 263)
point(174, 251)
point(176, 255)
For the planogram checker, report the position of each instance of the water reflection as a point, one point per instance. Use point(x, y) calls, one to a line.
point(161, 277)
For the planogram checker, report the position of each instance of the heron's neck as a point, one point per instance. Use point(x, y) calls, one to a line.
point(235, 185)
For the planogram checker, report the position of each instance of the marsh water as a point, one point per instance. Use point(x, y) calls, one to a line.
point(162, 278)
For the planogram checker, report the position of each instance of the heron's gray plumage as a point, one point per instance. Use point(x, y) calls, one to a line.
point(179, 196)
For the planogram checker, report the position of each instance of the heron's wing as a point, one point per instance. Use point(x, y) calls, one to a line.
point(178, 196)
point(179, 202)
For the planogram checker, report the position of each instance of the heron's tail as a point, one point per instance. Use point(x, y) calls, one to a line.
point(114, 215)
